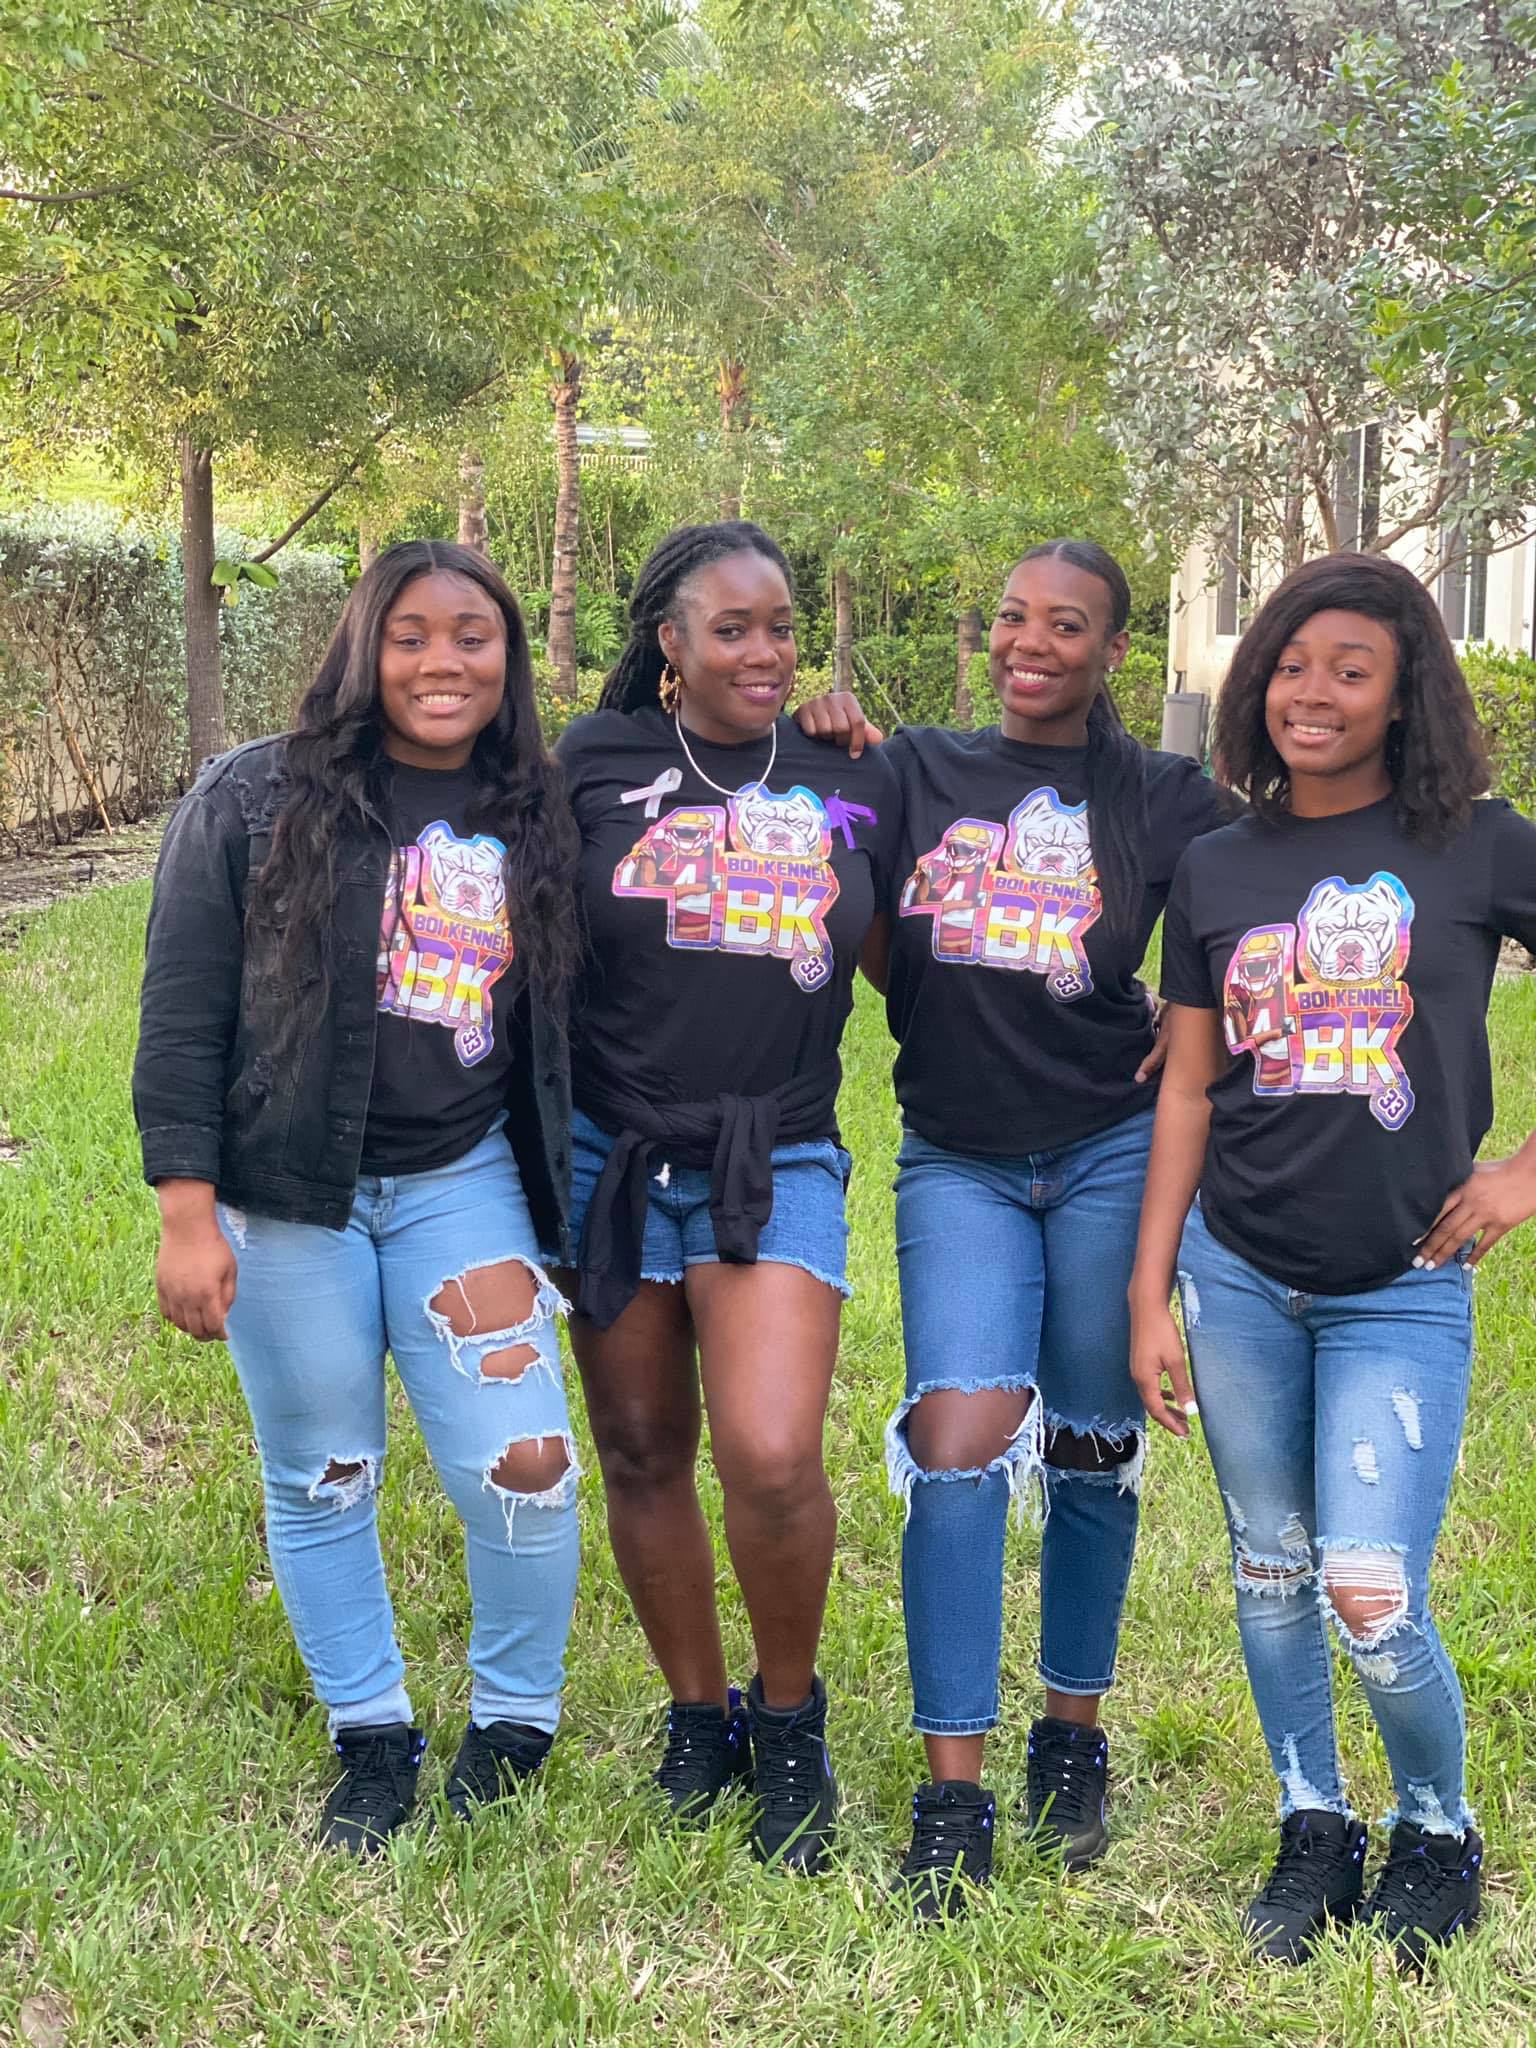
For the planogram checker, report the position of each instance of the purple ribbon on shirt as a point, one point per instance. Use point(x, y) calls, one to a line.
point(843, 816)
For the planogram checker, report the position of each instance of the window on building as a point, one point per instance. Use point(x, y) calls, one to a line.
point(1235, 589)
point(1477, 595)
point(1357, 488)
point(1463, 589)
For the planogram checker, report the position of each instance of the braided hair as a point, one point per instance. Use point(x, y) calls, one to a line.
point(635, 679)
point(1115, 770)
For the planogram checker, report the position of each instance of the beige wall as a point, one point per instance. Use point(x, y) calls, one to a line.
point(1202, 654)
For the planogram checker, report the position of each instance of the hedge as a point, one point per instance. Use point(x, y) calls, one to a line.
point(92, 688)
point(92, 682)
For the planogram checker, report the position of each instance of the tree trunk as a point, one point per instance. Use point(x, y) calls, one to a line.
point(473, 531)
point(566, 394)
point(200, 604)
point(732, 387)
point(842, 635)
point(970, 636)
point(367, 544)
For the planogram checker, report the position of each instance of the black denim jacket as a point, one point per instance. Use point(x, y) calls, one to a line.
point(213, 1101)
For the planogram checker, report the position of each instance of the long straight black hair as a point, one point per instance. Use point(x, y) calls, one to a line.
point(1115, 771)
point(337, 772)
point(635, 678)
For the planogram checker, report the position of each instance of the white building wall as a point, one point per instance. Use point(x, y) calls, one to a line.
point(1198, 655)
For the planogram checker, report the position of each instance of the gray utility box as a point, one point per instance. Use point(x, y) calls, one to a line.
point(1186, 715)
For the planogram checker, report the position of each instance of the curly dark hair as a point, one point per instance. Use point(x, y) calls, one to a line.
point(1115, 771)
point(636, 676)
point(1436, 755)
point(338, 772)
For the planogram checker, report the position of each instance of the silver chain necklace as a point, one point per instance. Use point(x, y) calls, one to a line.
point(762, 780)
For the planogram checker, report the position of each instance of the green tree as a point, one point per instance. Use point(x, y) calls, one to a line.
point(358, 220)
point(1249, 231)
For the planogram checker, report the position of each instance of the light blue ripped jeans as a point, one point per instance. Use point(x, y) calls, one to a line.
point(1333, 1423)
point(315, 1312)
point(1014, 1275)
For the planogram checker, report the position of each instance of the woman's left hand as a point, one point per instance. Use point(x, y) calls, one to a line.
point(1499, 1196)
point(838, 716)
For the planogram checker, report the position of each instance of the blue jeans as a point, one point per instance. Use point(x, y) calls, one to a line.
point(1014, 1275)
point(808, 1227)
point(1333, 1423)
point(315, 1311)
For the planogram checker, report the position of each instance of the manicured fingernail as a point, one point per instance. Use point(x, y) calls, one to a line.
point(1191, 1407)
point(1418, 1262)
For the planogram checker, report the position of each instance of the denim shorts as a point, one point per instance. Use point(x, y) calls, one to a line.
point(808, 1227)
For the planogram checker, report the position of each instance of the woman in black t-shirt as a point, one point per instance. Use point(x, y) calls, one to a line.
point(352, 1092)
point(1036, 855)
point(731, 870)
point(1328, 962)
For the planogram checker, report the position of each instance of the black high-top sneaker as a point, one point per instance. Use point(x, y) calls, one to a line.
point(376, 1792)
point(492, 1762)
point(1429, 1890)
point(951, 1850)
point(1068, 1779)
point(1317, 1877)
point(706, 1751)
point(792, 1778)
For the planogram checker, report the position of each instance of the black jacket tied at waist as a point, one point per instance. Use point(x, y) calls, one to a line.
point(733, 1135)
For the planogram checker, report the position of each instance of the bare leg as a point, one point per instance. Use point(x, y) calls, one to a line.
point(643, 1403)
point(767, 1347)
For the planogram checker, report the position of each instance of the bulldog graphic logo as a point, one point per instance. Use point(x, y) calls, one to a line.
point(1020, 896)
point(1322, 1003)
point(752, 877)
point(444, 941)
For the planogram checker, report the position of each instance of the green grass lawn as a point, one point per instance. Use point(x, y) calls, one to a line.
point(163, 1763)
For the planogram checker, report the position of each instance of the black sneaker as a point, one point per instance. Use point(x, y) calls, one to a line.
point(951, 1848)
point(492, 1762)
point(376, 1791)
point(706, 1751)
point(1317, 1877)
point(1068, 1778)
point(1429, 1890)
point(792, 1778)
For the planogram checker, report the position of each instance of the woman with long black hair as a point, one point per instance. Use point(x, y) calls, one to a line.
point(731, 870)
point(1328, 963)
point(1036, 855)
point(352, 1092)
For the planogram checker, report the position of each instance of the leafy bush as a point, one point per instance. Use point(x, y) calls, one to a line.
point(92, 683)
point(1504, 689)
point(1139, 688)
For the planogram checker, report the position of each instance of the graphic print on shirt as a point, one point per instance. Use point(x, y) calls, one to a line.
point(445, 939)
point(1322, 1003)
point(753, 876)
point(1020, 897)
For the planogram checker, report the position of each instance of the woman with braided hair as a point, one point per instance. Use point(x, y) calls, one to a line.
point(731, 871)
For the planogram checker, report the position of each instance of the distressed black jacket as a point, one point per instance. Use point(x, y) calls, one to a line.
point(213, 1101)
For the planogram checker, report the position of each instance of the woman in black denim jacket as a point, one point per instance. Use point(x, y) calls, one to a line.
point(352, 1090)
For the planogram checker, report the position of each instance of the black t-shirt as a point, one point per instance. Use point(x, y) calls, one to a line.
point(443, 1049)
point(1330, 1155)
point(723, 932)
point(1020, 1019)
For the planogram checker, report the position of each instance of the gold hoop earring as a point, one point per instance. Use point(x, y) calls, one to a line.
point(670, 688)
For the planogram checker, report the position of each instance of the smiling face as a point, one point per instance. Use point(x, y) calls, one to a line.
point(442, 670)
point(733, 645)
point(1329, 707)
point(1052, 642)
